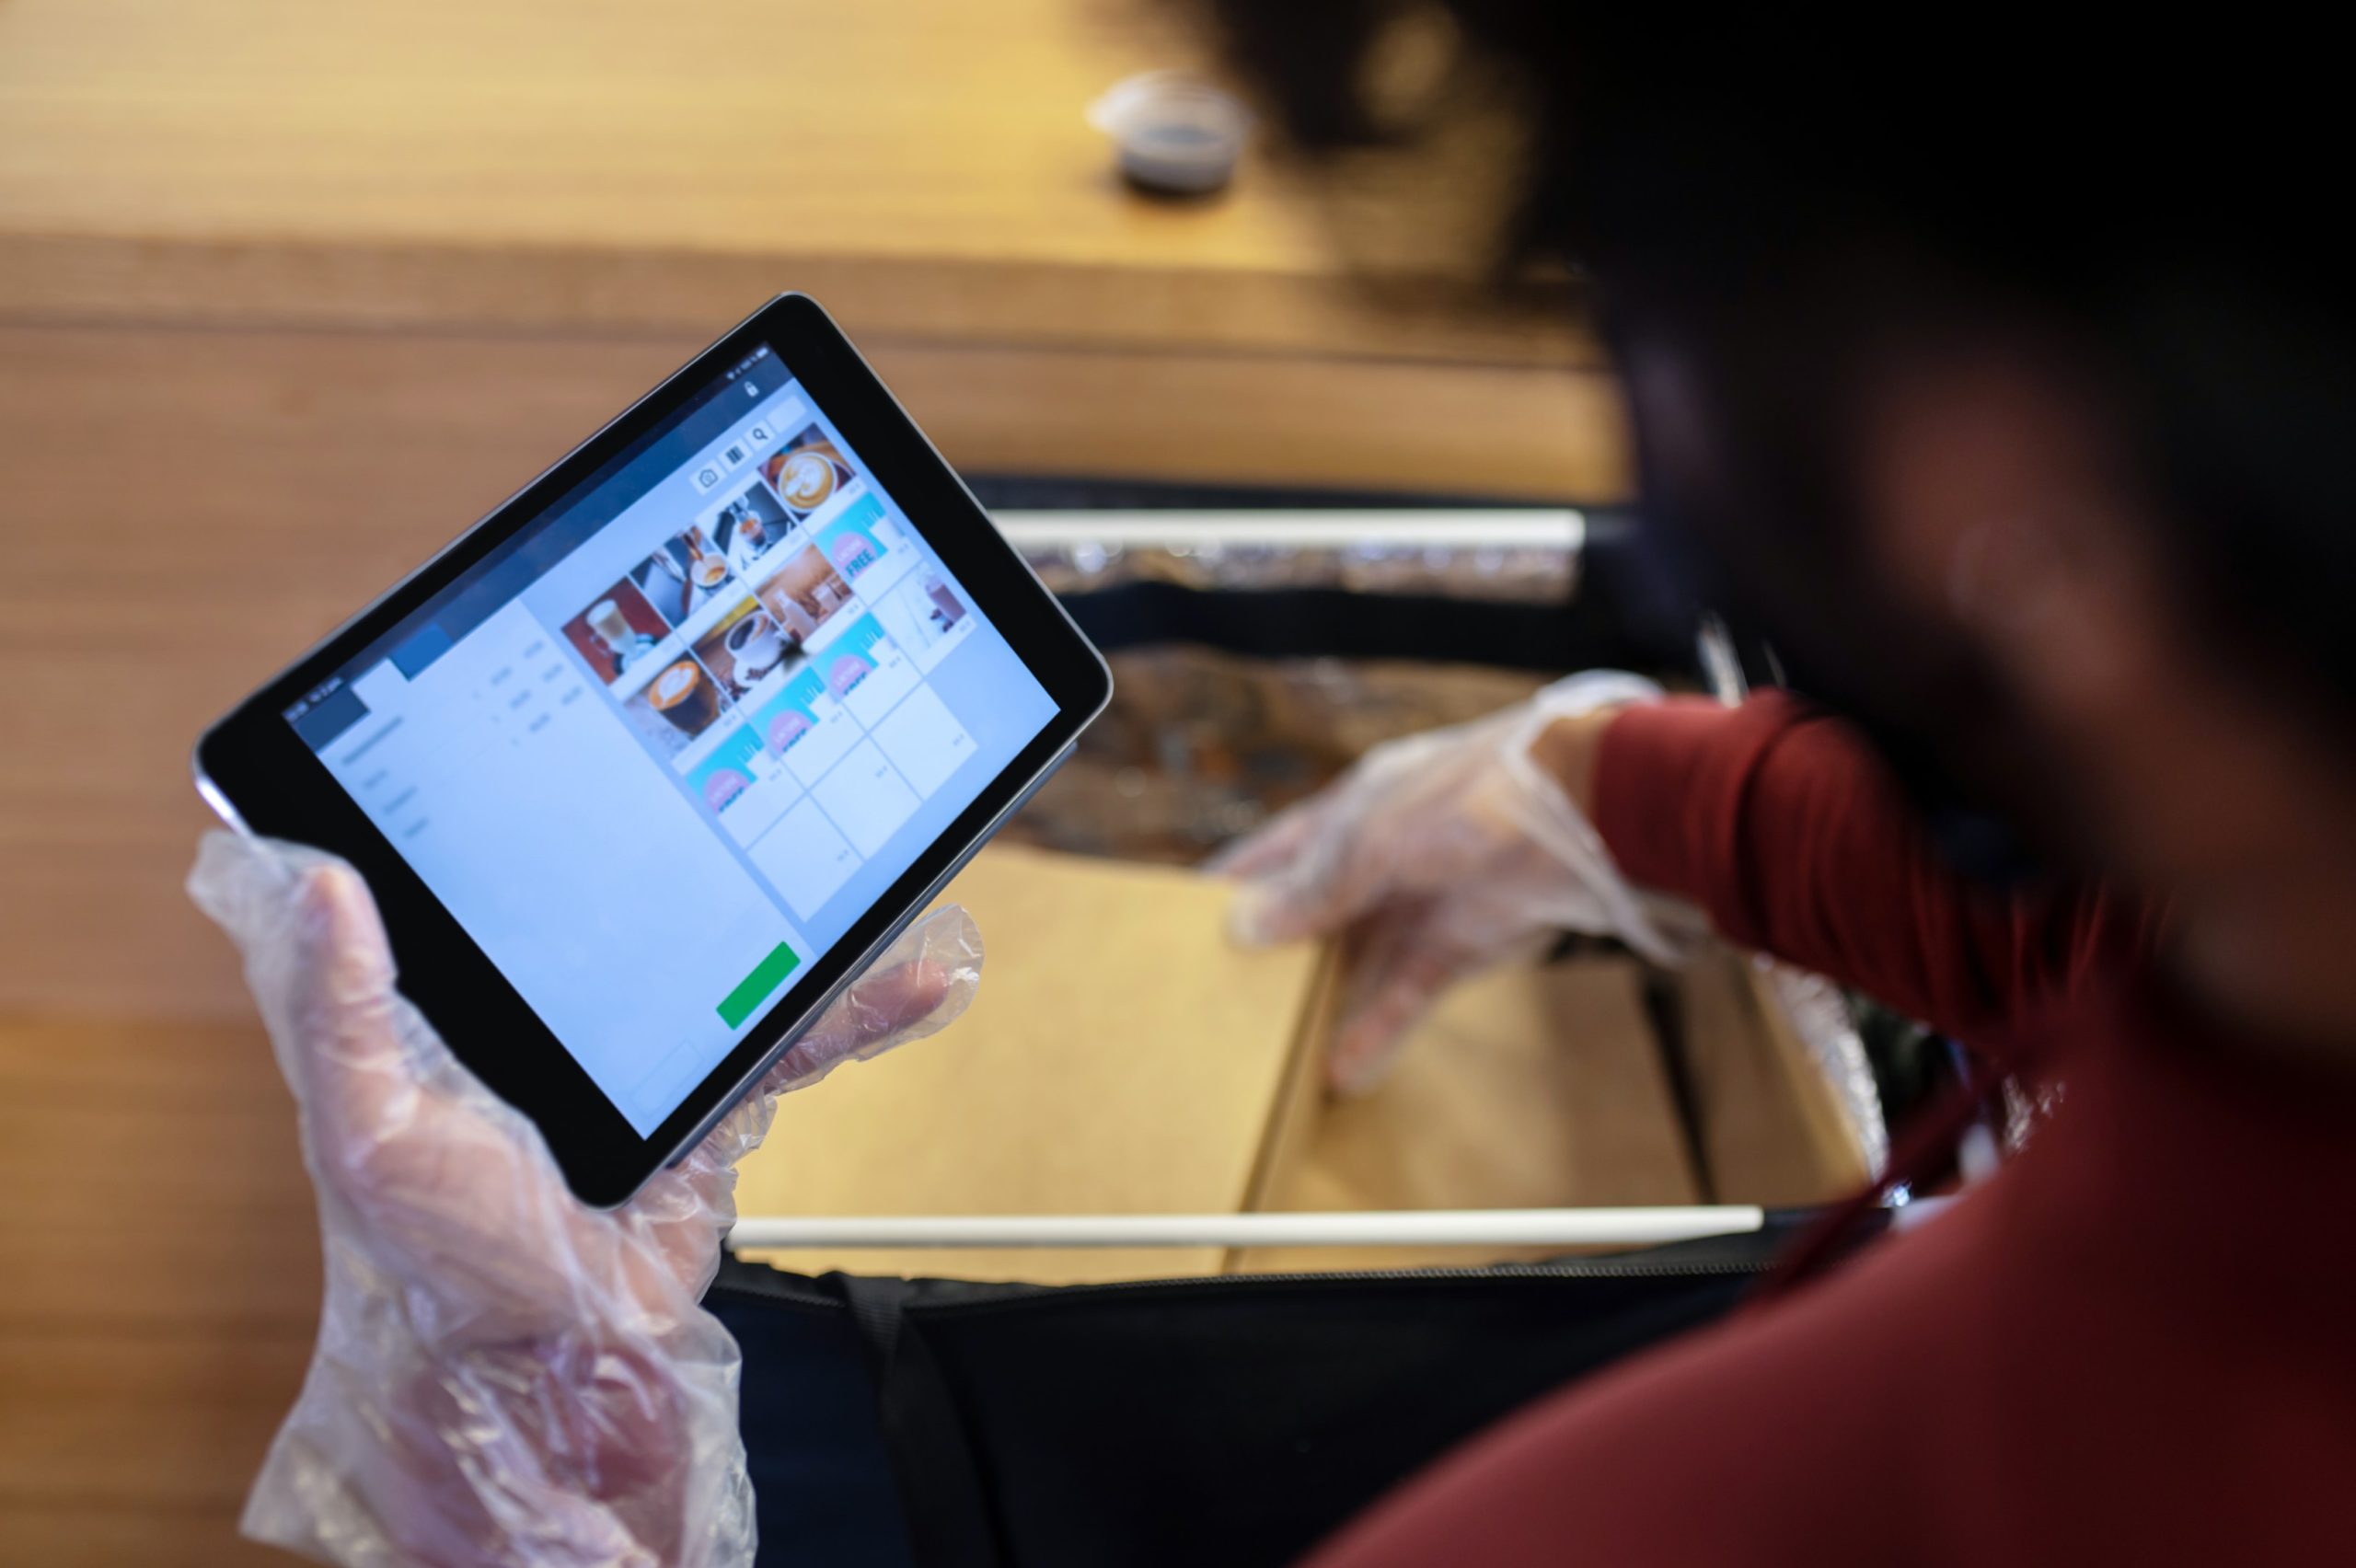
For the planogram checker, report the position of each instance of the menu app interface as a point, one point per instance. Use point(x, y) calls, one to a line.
point(661, 748)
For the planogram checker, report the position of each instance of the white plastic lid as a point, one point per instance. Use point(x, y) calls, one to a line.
point(1174, 132)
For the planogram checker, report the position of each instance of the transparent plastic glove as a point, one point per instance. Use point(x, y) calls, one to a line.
point(502, 1375)
point(1438, 855)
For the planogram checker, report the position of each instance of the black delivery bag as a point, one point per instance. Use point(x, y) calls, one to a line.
point(1234, 1419)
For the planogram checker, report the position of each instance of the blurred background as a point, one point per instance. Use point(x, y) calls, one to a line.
point(292, 293)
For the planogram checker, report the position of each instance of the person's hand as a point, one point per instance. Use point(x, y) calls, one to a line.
point(1442, 853)
point(502, 1375)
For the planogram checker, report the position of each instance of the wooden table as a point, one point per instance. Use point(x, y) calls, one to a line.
point(290, 292)
point(922, 164)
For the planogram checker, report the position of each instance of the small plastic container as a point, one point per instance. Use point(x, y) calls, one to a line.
point(1173, 135)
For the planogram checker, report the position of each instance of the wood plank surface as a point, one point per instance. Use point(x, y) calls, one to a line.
point(161, 1287)
point(742, 127)
point(926, 165)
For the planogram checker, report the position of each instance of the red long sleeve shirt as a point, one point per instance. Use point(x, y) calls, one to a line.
point(2135, 1343)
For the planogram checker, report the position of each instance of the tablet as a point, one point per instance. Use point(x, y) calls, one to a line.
point(646, 764)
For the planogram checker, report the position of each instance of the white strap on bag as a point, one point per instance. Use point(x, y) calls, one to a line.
point(1409, 1227)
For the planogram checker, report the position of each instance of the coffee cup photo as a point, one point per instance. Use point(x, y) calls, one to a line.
point(748, 526)
point(681, 701)
point(757, 642)
point(707, 566)
point(744, 647)
point(807, 472)
point(681, 576)
point(615, 630)
point(684, 696)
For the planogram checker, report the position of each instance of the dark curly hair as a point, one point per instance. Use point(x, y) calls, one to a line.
point(1779, 189)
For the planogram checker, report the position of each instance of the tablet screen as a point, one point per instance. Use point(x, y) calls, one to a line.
point(662, 747)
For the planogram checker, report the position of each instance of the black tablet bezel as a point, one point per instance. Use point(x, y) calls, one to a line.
point(254, 766)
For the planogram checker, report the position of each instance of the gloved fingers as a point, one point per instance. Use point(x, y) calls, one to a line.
point(916, 987)
point(1312, 870)
point(322, 972)
point(499, 1369)
point(1399, 961)
point(921, 983)
point(1385, 830)
point(357, 1082)
point(438, 1162)
point(435, 1170)
point(242, 884)
point(1274, 842)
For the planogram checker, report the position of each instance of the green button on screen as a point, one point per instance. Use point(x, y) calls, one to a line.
point(755, 988)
